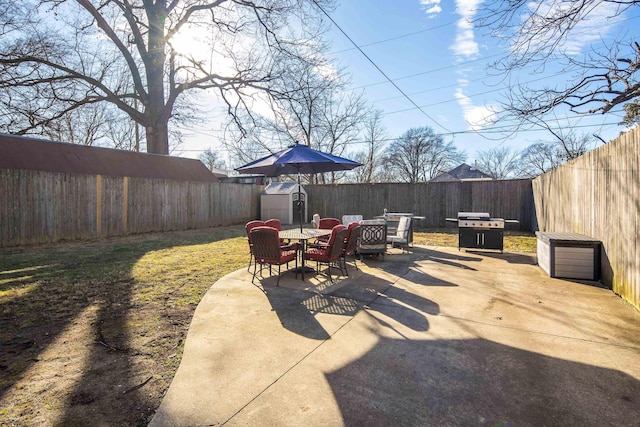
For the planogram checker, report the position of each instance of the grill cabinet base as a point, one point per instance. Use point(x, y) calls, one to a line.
point(481, 238)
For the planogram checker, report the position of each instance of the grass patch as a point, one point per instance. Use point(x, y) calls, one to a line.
point(514, 241)
point(145, 289)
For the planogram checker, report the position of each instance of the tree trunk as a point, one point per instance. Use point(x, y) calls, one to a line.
point(158, 138)
point(156, 123)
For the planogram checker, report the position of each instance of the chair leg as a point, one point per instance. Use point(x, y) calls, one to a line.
point(249, 266)
point(255, 266)
point(343, 261)
point(278, 281)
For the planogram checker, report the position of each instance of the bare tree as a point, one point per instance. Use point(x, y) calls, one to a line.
point(419, 155)
point(342, 118)
point(211, 160)
point(569, 144)
point(125, 134)
point(60, 55)
point(311, 107)
point(82, 126)
point(94, 124)
point(543, 157)
point(537, 32)
point(632, 114)
point(292, 115)
point(374, 134)
point(499, 163)
point(539, 158)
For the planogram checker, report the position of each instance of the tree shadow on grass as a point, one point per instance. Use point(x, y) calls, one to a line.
point(46, 290)
point(49, 302)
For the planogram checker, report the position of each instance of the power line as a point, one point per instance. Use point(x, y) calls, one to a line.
point(407, 96)
point(556, 74)
point(457, 84)
point(502, 129)
point(422, 73)
point(452, 65)
point(378, 68)
point(437, 27)
point(493, 130)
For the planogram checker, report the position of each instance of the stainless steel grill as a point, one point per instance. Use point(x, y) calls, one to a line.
point(478, 220)
point(477, 230)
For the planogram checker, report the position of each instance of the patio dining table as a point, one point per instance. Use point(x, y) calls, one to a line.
point(303, 236)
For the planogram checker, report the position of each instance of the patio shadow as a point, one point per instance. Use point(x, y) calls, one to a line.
point(513, 258)
point(297, 309)
point(478, 382)
point(424, 254)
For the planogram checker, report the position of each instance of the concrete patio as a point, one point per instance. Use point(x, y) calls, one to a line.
point(433, 337)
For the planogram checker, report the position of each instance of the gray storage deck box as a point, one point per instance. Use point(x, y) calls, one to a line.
point(569, 255)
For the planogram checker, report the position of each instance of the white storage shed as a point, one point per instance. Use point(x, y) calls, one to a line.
point(280, 200)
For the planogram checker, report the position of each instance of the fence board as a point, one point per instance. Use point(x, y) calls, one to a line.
point(598, 195)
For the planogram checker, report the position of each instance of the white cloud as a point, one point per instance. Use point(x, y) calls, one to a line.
point(477, 116)
point(465, 47)
point(467, 8)
point(431, 7)
point(465, 44)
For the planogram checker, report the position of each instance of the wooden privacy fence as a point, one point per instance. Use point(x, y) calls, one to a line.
point(509, 199)
point(598, 195)
point(42, 207)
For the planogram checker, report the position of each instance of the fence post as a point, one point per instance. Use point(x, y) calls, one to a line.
point(98, 206)
point(125, 203)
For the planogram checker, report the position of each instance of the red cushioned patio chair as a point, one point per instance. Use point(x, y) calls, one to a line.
point(287, 246)
point(351, 244)
point(324, 224)
point(331, 252)
point(267, 251)
point(248, 227)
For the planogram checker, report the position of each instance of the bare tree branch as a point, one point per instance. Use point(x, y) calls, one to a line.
point(538, 32)
point(134, 63)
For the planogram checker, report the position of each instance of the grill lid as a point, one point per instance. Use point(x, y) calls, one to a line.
point(473, 215)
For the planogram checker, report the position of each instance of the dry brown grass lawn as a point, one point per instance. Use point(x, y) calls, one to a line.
point(92, 332)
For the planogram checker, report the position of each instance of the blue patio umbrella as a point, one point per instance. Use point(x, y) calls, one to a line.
point(298, 159)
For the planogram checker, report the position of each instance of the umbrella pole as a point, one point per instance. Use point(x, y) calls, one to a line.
point(299, 201)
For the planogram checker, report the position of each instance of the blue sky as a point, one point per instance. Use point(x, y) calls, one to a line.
point(433, 53)
point(442, 64)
